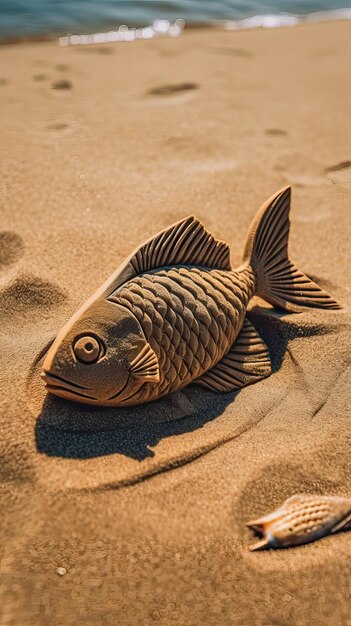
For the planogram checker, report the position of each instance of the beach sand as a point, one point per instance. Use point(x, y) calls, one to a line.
point(101, 147)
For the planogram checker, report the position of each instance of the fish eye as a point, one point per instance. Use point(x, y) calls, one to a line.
point(87, 349)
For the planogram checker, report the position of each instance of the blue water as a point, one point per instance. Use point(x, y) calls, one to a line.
point(40, 17)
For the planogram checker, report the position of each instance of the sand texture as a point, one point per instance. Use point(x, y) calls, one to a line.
point(137, 516)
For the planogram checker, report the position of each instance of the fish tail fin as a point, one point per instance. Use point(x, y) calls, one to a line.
point(277, 279)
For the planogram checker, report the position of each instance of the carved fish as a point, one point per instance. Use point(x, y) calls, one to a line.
point(175, 312)
point(301, 519)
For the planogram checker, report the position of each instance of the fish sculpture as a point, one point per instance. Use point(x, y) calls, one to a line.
point(301, 519)
point(175, 312)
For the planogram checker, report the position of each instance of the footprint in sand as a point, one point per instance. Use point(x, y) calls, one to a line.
point(276, 132)
point(105, 50)
point(11, 248)
point(340, 174)
point(39, 78)
point(94, 49)
point(58, 126)
point(26, 296)
point(342, 165)
point(171, 90)
point(62, 85)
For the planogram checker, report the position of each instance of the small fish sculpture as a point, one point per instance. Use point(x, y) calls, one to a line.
point(301, 519)
point(175, 312)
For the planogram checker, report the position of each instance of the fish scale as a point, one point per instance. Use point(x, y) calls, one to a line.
point(173, 304)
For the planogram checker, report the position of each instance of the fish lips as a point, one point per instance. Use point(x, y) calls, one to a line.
point(65, 389)
point(71, 391)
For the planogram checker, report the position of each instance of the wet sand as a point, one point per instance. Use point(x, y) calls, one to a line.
point(145, 508)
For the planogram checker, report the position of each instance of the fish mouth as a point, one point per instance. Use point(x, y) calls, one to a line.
point(60, 386)
point(63, 388)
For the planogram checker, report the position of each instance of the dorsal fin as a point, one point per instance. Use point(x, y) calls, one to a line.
point(185, 243)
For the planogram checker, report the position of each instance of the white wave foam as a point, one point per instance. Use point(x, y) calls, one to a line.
point(123, 33)
point(166, 28)
point(275, 20)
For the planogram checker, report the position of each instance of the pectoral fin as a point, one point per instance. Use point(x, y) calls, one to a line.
point(145, 365)
point(247, 362)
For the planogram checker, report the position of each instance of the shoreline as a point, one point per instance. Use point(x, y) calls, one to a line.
point(256, 22)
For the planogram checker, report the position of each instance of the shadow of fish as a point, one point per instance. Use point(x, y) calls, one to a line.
point(301, 519)
point(175, 312)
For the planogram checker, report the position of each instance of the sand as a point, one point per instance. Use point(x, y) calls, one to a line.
point(138, 516)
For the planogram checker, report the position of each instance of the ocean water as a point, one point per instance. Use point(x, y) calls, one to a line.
point(24, 18)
